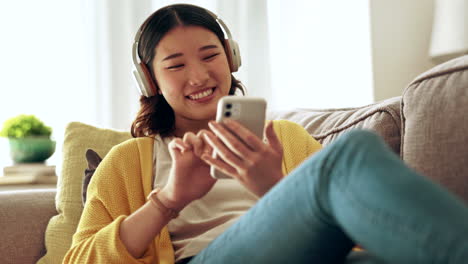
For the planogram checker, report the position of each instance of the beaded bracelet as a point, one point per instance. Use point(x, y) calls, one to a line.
point(153, 198)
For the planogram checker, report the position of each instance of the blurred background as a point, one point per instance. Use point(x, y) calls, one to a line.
point(67, 61)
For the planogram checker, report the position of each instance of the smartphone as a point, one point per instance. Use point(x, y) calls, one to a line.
point(249, 111)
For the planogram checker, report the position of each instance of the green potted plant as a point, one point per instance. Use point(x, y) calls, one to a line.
point(29, 139)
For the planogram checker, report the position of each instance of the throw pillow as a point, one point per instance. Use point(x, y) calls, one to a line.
point(93, 161)
point(78, 138)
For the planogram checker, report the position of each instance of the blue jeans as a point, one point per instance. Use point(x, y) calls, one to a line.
point(355, 191)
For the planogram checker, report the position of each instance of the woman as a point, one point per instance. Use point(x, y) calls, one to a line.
point(356, 191)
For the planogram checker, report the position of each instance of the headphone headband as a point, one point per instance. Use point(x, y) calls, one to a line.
point(141, 72)
point(221, 23)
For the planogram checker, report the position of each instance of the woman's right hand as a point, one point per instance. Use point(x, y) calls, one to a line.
point(189, 177)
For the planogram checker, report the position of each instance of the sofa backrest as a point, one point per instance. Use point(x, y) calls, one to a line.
point(435, 125)
point(326, 125)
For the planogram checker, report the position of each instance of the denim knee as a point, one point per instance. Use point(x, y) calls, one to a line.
point(360, 137)
point(356, 142)
point(348, 153)
point(359, 142)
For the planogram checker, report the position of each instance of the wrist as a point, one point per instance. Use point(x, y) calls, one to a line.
point(164, 209)
point(169, 201)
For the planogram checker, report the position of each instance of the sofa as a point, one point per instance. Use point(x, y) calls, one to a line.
point(427, 126)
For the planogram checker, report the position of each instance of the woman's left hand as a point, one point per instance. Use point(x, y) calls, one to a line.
point(256, 164)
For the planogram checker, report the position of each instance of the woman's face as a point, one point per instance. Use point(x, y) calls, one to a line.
point(192, 72)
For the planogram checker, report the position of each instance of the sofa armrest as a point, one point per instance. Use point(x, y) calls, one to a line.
point(24, 216)
point(435, 124)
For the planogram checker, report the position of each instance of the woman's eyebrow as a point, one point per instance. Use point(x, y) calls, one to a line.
point(208, 47)
point(172, 56)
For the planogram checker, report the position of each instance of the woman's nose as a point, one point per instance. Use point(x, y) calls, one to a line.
point(198, 76)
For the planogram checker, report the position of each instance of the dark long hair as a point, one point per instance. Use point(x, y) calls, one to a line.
point(155, 115)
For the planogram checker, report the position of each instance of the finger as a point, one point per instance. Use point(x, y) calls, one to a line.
point(207, 149)
point(230, 140)
point(245, 134)
point(175, 147)
point(272, 138)
point(195, 142)
point(222, 151)
point(177, 143)
point(220, 165)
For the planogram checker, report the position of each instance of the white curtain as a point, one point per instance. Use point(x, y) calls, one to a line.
point(111, 27)
point(43, 66)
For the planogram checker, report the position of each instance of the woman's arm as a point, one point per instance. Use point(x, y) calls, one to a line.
point(115, 192)
point(139, 229)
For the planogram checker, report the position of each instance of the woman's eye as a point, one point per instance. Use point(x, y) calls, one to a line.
point(175, 66)
point(210, 56)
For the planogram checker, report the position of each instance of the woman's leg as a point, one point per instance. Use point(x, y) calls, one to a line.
point(358, 190)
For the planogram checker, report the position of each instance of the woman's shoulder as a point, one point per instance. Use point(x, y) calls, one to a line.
point(142, 145)
point(135, 142)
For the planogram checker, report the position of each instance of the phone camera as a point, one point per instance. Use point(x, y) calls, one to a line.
point(227, 114)
point(228, 106)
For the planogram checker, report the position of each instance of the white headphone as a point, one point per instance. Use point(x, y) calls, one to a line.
point(141, 72)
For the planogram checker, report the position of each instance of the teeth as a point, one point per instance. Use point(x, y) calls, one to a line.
point(201, 95)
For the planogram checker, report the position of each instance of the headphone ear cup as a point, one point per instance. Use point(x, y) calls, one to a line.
point(233, 53)
point(144, 80)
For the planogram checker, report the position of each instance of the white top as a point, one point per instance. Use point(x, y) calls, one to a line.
point(204, 219)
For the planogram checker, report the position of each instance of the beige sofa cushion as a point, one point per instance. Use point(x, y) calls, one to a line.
point(435, 125)
point(23, 217)
point(78, 138)
point(328, 124)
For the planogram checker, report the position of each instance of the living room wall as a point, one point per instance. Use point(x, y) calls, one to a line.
point(401, 33)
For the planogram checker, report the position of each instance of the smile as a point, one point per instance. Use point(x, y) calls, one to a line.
point(201, 95)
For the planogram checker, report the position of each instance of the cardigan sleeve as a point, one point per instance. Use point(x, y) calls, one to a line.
point(298, 144)
point(114, 193)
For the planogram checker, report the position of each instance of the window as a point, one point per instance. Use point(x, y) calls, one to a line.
point(44, 65)
point(320, 53)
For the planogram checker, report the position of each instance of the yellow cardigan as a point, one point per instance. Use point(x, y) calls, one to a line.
point(121, 184)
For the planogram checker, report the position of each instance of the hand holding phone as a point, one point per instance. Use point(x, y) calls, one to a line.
point(248, 111)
